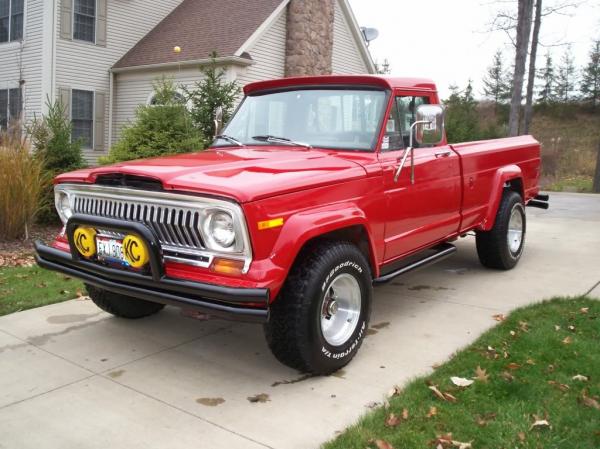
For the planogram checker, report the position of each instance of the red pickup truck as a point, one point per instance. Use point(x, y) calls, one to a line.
point(317, 189)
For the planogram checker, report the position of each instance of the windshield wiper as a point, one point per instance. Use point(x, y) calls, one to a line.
point(282, 140)
point(229, 139)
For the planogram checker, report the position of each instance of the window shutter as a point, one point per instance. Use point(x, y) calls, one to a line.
point(99, 121)
point(101, 23)
point(65, 99)
point(66, 19)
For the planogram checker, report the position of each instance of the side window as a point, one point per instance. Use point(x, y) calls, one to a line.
point(392, 140)
point(407, 110)
point(82, 116)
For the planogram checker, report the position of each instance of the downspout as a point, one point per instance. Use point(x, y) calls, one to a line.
point(111, 82)
point(53, 59)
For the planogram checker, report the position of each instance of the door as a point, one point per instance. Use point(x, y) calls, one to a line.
point(420, 214)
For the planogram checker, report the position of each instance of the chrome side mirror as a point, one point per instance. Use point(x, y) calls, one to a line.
point(218, 120)
point(430, 124)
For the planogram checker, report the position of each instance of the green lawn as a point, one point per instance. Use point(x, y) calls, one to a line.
point(530, 369)
point(23, 288)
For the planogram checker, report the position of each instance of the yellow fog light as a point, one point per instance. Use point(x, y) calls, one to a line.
point(135, 251)
point(85, 241)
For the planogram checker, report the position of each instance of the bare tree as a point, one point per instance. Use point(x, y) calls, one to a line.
point(537, 24)
point(522, 45)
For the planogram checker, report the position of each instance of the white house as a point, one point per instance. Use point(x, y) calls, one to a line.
point(100, 57)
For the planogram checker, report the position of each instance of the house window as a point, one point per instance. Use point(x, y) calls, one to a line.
point(82, 117)
point(11, 105)
point(84, 19)
point(11, 20)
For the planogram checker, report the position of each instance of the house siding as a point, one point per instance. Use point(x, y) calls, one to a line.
point(134, 88)
point(26, 57)
point(347, 57)
point(83, 65)
point(268, 54)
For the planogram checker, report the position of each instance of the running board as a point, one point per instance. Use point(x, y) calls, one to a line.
point(441, 252)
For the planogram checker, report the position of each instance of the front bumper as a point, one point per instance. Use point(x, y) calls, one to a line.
point(241, 304)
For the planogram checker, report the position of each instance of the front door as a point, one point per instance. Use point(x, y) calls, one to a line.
point(420, 214)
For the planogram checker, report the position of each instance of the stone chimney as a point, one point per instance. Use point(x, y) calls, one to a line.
point(309, 44)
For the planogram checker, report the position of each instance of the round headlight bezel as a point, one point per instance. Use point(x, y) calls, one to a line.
point(220, 230)
point(62, 202)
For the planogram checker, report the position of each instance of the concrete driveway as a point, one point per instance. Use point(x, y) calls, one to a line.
point(74, 377)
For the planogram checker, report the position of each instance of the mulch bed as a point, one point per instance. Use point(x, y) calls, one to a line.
point(19, 253)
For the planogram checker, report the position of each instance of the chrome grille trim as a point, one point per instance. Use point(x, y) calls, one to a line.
point(175, 218)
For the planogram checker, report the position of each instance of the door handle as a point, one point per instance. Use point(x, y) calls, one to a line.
point(443, 154)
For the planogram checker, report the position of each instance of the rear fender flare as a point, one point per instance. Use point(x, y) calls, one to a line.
point(503, 175)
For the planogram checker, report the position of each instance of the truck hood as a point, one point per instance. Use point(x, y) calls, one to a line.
point(245, 174)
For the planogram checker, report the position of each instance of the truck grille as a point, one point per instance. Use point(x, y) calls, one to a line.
point(175, 226)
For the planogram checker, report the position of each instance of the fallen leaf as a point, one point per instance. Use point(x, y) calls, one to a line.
point(499, 317)
point(561, 387)
point(550, 368)
point(507, 376)
point(584, 309)
point(437, 392)
point(394, 391)
point(589, 401)
point(513, 333)
point(567, 340)
point(540, 423)
point(461, 381)
point(524, 326)
point(432, 412)
point(450, 397)
point(481, 374)
point(572, 328)
point(556, 327)
point(513, 366)
point(405, 414)
point(483, 420)
point(521, 436)
point(580, 378)
point(262, 398)
point(382, 444)
point(392, 420)
point(530, 362)
point(461, 445)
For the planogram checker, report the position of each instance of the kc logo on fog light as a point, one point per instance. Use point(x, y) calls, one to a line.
point(135, 251)
point(85, 241)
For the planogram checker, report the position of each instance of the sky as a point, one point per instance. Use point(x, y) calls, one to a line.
point(448, 41)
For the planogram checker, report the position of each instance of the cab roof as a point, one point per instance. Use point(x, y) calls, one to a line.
point(385, 82)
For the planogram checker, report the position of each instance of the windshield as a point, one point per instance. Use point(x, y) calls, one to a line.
point(325, 118)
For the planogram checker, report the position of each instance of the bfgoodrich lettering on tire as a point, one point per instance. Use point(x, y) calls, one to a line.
point(319, 320)
point(503, 245)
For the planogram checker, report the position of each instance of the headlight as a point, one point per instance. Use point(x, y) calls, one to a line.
point(63, 205)
point(220, 230)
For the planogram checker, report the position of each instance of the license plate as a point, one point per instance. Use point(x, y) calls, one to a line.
point(110, 249)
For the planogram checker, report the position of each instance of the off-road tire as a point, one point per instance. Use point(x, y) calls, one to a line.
point(492, 246)
point(294, 330)
point(122, 306)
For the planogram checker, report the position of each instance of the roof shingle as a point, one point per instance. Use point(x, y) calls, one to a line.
point(200, 27)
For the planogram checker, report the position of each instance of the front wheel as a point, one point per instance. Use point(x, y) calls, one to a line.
point(122, 306)
point(320, 318)
point(502, 246)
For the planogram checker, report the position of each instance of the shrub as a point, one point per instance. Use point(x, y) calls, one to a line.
point(22, 185)
point(51, 140)
point(210, 93)
point(159, 129)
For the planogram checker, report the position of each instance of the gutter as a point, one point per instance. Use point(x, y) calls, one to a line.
point(235, 60)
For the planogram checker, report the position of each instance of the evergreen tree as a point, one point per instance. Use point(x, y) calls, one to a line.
point(590, 78)
point(495, 84)
point(210, 93)
point(566, 78)
point(547, 86)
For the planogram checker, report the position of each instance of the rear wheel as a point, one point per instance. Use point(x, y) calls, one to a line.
point(502, 246)
point(122, 306)
point(320, 318)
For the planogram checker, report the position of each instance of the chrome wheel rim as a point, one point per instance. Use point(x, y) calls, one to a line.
point(515, 230)
point(340, 311)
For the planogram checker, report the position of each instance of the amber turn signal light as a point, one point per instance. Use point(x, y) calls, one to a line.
point(227, 266)
point(268, 224)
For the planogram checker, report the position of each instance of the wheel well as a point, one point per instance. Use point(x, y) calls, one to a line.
point(515, 185)
point(354, 234)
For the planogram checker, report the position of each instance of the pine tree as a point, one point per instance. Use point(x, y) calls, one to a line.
point(590, 78)
point(547, 77)
point(495, 84)
point(566, 78)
